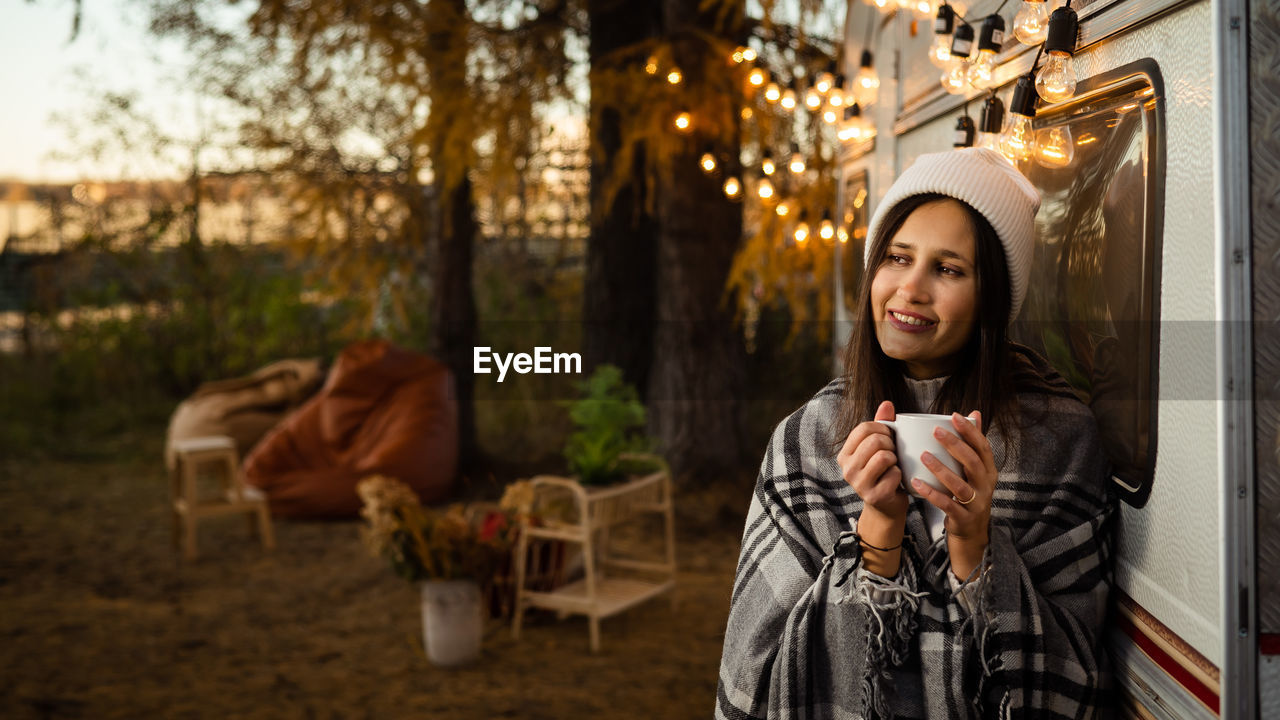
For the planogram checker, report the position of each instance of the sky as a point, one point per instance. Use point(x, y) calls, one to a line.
point(43, 72)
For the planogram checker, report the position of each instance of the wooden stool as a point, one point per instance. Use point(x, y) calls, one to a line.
point(217, 452)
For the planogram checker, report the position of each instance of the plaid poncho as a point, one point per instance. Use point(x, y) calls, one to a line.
point(812, 634)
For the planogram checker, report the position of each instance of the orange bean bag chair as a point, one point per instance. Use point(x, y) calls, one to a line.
point(383, 411)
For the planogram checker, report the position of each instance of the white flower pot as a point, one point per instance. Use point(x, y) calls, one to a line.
point(451, 621)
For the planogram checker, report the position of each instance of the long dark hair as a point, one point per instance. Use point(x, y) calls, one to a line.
point(981, 380)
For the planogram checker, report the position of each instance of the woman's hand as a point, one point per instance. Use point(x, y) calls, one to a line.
point(869, 464)
point(968, 505)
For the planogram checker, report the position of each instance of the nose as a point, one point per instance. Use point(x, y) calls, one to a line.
point(914, 285)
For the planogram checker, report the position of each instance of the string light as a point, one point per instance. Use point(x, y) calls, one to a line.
point(1055, 148)
point(764, 188)
point(772, 93)
point(826, 229)
point(964, 132)
point(748, 54)
point(943, 25)
point(757, 77)
point(708, 161)
point(812, 98)
point(1031, 24)
point(855, 126)
point(826, 79)
point(837, 95)
point(796, 165)
point(830, 115)
point(732, 187)
point(801, 232)
point(865, 84)
point(766, 163)
point(990, 38)
point(991, 124)
point(783, 208)
point(683, 121)
point(651, 65)
point(747, 113)
point(1056, 81)
point(788, 101)
point(842, 235)
point(1018, 140)
point(955, 78)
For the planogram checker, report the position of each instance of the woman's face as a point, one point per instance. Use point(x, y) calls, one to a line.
point(924, 296)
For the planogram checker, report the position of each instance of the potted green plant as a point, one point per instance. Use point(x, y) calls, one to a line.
point(445, 552)
point(609, 422)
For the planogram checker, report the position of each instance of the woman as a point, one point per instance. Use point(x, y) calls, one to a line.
point(855, 599)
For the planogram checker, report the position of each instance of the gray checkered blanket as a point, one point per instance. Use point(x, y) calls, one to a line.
point(811, 634)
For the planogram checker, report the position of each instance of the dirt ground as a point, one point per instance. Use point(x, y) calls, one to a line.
point(100, 618)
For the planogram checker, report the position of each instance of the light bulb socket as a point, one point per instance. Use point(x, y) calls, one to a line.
point(795, 148)
point(826, 215)
point(964, 132)
point(832, 66)
point(852, 111)
point(866, 59)
point(945, 22)
point(1064, 26)
point(991, 36)
point(962, 41)
point(992, 118)
point(1024, 97)
point(839, 81)
point(767, 156)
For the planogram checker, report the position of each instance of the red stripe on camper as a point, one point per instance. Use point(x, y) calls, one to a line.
point(1167, 663)
point(1269, 644)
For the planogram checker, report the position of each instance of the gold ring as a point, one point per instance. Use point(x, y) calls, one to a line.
point(966, 502)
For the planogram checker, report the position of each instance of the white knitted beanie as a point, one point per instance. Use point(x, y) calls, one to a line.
point(988, 183)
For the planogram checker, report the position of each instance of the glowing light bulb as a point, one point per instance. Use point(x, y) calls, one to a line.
point(651, 65)
point(955, 79)
point(797, 161)
point(757, 77)
point(1055, 148)
point(979, 72)
point(1018, 140)
point(767, 165)
point(1056, 80)
point(748, 54)
point(747, 113)
point(801, 232)
point(737, 56)
point(830, 115)
point(1031, 24)
point(764, 188)
point(940, 51)
point(837, 97)
point(842, 235)
point(708, 162)
point(674, 76)
point(826, 229)
point(866, 84)
point(788, 101)
point(824, 83)
point(782, 209)
point(812, 99)
point(772, 93)
point(732, 187)
point(683, 121)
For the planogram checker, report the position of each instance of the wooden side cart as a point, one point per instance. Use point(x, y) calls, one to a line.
point(603, 591)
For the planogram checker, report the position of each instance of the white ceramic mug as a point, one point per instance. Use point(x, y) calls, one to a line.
point(912, 436)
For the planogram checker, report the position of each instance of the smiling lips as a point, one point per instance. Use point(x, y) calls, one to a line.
point(909, 322)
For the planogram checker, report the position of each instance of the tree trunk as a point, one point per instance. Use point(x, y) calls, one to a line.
point(698, 376)
point(618, 310)
point(453, 329)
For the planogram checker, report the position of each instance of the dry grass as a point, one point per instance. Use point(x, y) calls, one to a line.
point(99, 618)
